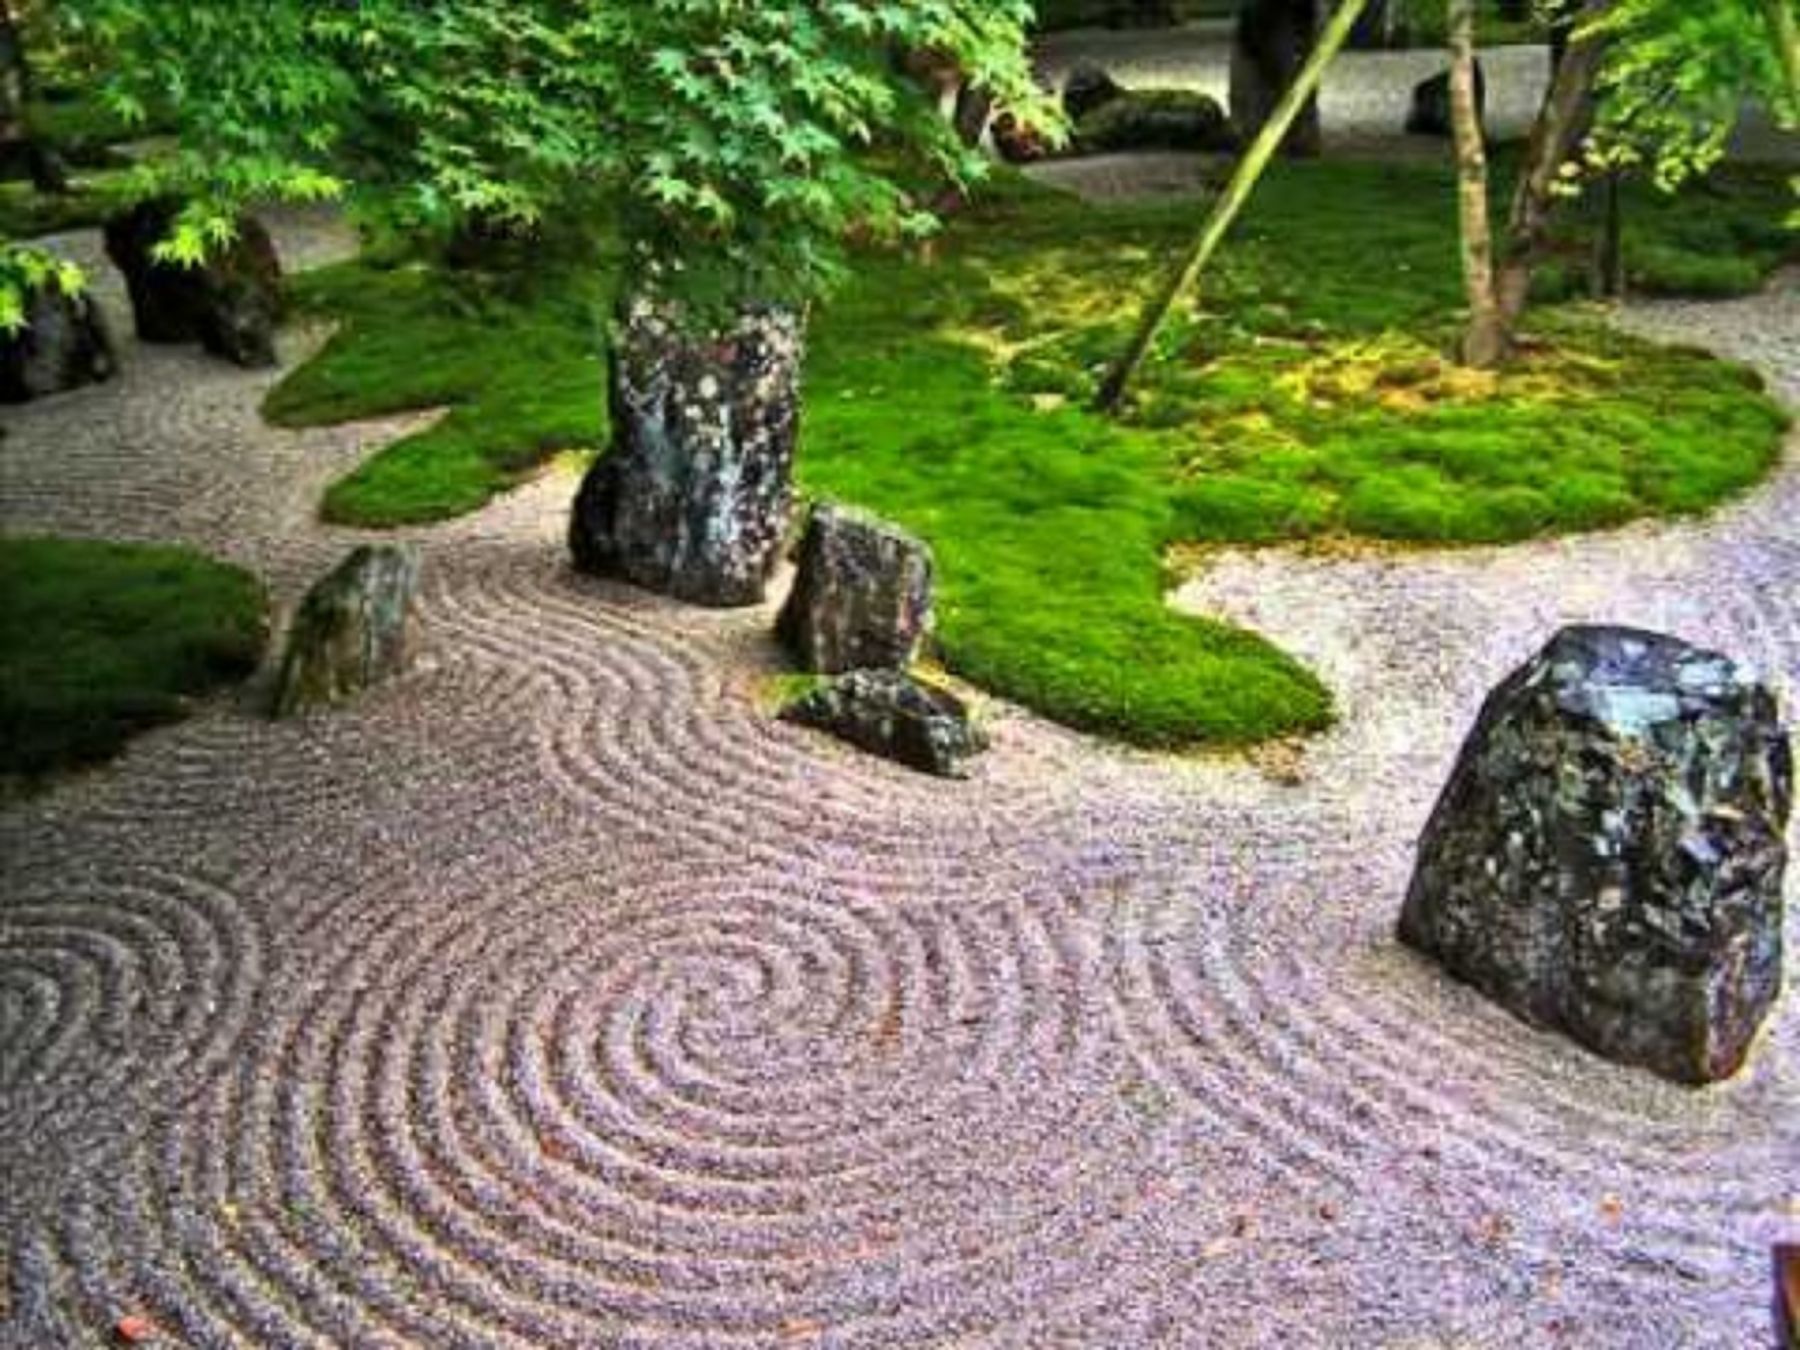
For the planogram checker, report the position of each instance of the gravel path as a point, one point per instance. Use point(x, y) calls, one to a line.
point(554, 995)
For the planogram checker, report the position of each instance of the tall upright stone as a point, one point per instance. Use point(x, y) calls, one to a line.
point(1608, 856)
point(1272, 41)
point(861, 596)
point(693, 498)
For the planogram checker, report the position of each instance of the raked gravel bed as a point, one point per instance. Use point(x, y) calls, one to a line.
point(555, 995)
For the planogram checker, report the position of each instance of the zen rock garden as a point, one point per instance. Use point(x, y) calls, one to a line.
point(1088, 674)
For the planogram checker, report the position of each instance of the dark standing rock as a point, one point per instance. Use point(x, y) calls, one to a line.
point(230, 304)
point(1608, 856)
point(355, 628)
point(1088, 89)
point(693, 498)
point(861, 597)
point(1273, 40)
point(1157, 119)
point(891, 714)
point(63, 345)
point(1430, 113)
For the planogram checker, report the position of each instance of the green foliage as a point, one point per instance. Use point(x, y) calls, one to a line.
point(1678, 75)
point(25, 271)
point(1308, 398)
point(100, 640)
point(736, 139)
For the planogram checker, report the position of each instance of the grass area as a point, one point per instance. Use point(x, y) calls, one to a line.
point(518, 379)
point(1307, 398)
point(100, 640)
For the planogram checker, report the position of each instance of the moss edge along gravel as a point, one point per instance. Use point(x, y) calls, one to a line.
point(100, 640)
point(1306, 398)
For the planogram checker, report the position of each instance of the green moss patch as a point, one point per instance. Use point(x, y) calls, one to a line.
point(1305, 395)
point(99, 640)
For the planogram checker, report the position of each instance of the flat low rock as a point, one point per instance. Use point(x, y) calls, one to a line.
point(229, 304)
point(63, 345)
point(862, 596)
point(1156, 119)
point(356, 627)
point(1608, 856)
point(892, 714)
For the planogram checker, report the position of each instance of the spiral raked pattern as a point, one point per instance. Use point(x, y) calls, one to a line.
point(556, 995)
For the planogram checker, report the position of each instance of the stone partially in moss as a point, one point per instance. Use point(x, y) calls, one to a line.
point(693, 498)
point(355, 628)
point(1156, 119)
point(861, 596)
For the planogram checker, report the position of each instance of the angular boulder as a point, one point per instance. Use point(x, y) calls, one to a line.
point(1157, 119)
point(861, 596)
point(63, 345)
point(356, 627)
point(1088, 89)
point(1429, 114)
point(694, 496)
point(230, 304)
point(892, 714)
point(1607, 858)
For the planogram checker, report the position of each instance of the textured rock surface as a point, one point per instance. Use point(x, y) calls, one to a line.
point(693, 498)
point(1157, 119)
point(1429, 114)
point(63, 345)
point(891, 714)
point(355, 628)
point(1609, 853)
point(230, 304)
point(1271, 44)
point(862, 594)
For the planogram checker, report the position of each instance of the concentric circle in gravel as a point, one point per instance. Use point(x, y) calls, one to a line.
point(555, 995)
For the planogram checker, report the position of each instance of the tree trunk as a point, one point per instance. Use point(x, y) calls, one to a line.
point(1784, 30)
point(1563, 120)
point(1225, 211)
point(693, 498)
point(1485, 340)
point(17, 145)
point(1609, 240)
point(1270, 47)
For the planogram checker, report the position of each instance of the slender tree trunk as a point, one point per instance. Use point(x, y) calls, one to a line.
point(1225, 211)
point(1563, 120)
point(1486, 340)
point(1609, 239)
point(1785, 29)
point(16, 141)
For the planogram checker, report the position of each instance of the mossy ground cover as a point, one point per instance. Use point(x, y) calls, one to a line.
point(99, 640)
point(1306, 396)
